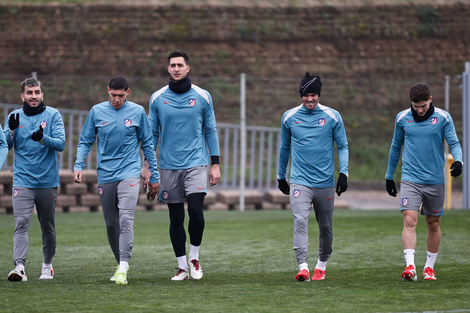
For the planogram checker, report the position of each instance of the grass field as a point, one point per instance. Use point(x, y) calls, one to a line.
point(248, 263)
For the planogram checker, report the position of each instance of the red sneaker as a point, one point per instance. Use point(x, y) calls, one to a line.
point(409, 273)
point(318, 274)
point(303, 275)
point(429, 274)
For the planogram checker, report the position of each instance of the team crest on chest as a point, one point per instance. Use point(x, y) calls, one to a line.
point(192, 102)
point(43, 124)
point(321, 121)
point(127, 122)
point(433, 120)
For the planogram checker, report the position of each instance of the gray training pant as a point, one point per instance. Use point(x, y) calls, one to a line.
point(301, 199)
point(23, 200)
point(119, 200)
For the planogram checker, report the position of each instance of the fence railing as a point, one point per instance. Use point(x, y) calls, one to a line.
point(261, 159)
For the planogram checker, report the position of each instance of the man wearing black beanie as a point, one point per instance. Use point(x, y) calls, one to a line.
point(308, 133)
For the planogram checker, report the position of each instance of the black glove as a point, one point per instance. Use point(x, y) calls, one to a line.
point(37, 136)
point(390, 187)
point(283, 186)
point(456, 169)
point(14, 121)
point(342, 184)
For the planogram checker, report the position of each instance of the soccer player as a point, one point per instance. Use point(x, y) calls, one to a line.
point(308, 133)
point(181, 115)
point(421, 129)
point(121, 126)
point(36, 132)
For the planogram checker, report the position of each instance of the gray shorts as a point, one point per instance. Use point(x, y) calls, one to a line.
point(431, 197)
point(175, 185)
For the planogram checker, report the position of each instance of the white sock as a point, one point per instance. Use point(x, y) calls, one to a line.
point(193, 252)
point(182, 263)
point(303, 266)
point(20, 266)
point(430, 260)
point(321, 265)
point(123, 266)
point(409, 257)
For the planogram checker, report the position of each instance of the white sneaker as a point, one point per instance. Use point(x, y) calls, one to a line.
point(18, 274)
point(47, 272)
point(196, 270)
point(182, 274)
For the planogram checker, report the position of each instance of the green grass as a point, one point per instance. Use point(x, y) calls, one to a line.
point(249, 266)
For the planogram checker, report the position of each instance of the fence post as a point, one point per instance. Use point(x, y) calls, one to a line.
point(242, 140)
point(448, 197)
point(466, 135)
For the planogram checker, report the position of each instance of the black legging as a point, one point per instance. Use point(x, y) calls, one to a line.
point(195, 226)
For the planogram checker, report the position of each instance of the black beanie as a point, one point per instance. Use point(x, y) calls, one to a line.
point(310, 84)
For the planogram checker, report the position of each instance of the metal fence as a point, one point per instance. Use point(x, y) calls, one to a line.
point(262, 153)
point(368, 108)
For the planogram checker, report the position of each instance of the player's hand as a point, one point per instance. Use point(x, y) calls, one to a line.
point(456, 169)
point(77, 176)
point(145, 174)
point(390, 187)
point(37, 136)
point(342, 184)
point(283, 186)
point(214, 174)
point(152, 190)
point(14, 121)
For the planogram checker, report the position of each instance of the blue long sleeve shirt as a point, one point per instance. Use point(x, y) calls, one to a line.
point(36, 162)
point(119, 133)
point(185, 124)
point(423, 152)
point(309, 135)
point(3, 149)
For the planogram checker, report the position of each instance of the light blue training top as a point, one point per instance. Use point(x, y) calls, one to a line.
point(3, 148)
point(36, 162)
point(119, 132)
point(186, 126)
point(310, 136)
point(423, 152)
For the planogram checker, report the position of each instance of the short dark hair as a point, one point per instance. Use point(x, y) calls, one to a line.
point(420, 92)
point(118, 82)
point(179, 53)
point(30, 82)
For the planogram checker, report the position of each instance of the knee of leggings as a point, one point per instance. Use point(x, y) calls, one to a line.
point(176, 215)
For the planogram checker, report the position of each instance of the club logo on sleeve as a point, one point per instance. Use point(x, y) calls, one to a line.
point(433, 120)
point(405, 201)
point(43, 124)
point(296, 193)
point(127, 122)
point(192, 102)
point(15, 192)
point(100, 190)
point(321, 121)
